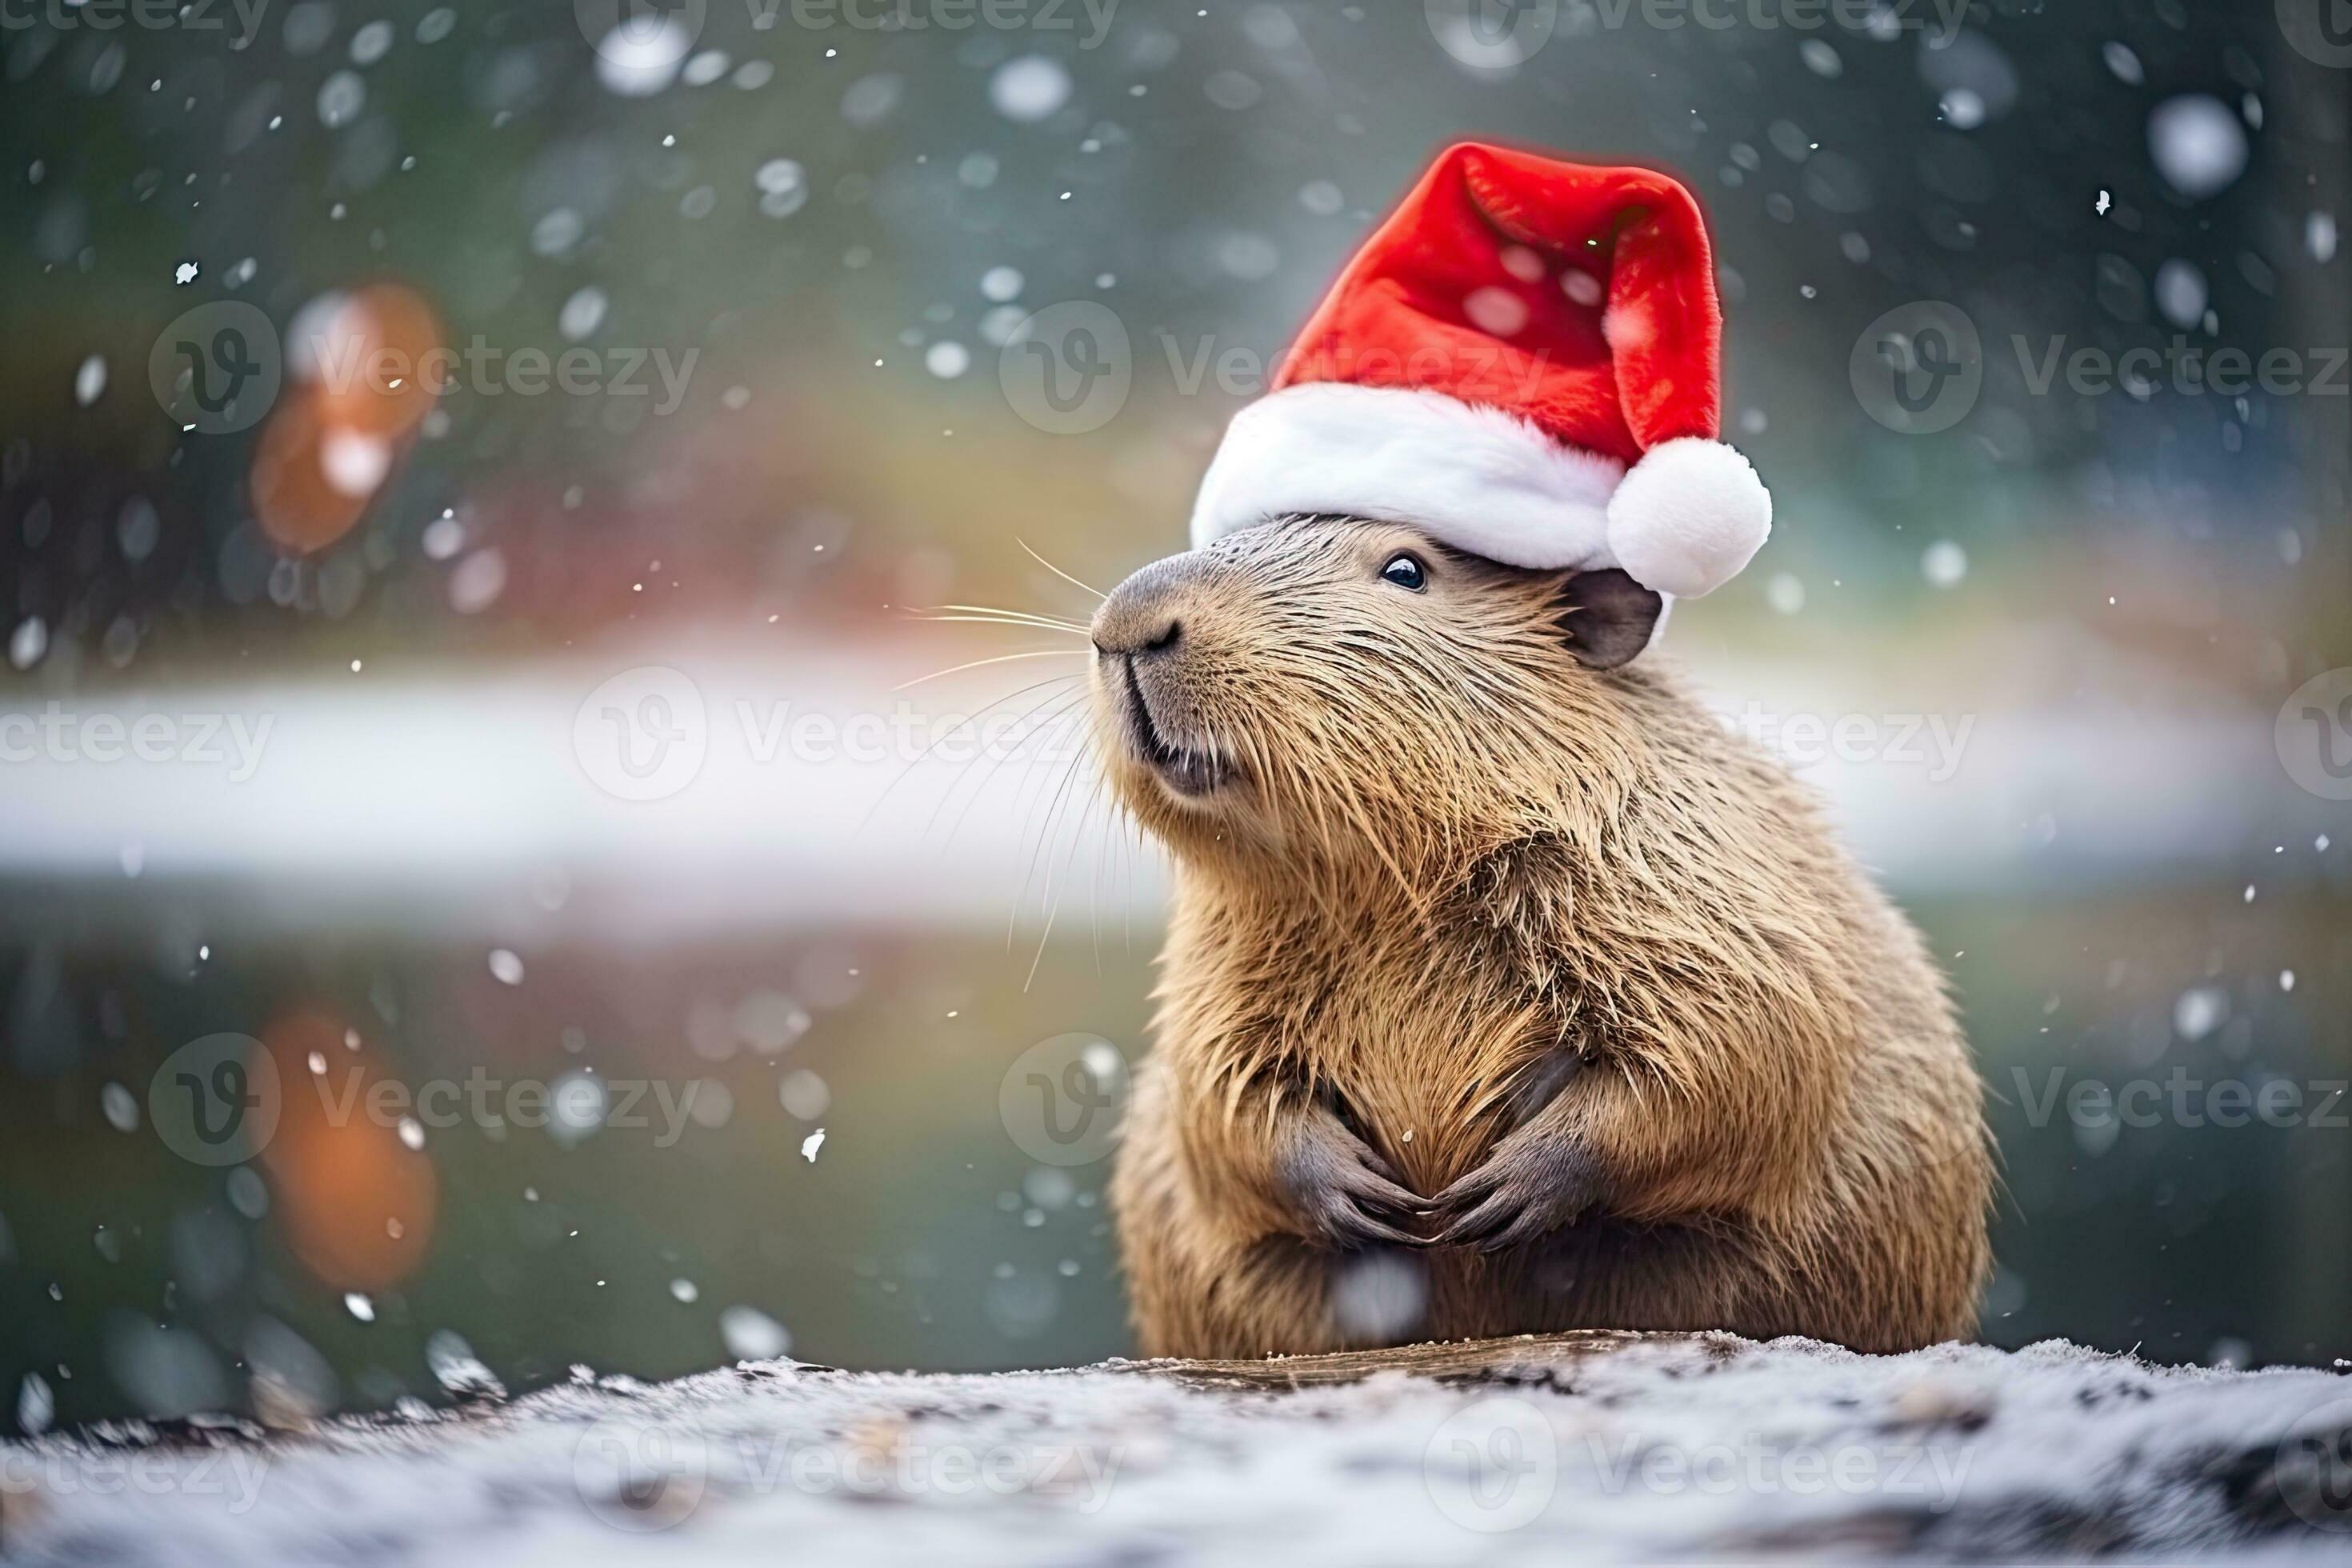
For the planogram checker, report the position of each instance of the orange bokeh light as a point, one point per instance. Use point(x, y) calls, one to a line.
point(354, 1204)
point(296, 502)
point(366, 376)
point(374, 373)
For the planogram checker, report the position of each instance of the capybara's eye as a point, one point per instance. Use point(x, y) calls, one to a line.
point(1405, 572)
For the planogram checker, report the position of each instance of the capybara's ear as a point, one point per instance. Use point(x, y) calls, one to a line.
point(1608, 617)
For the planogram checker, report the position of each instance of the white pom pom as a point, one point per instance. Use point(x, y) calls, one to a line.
point(1688, 516)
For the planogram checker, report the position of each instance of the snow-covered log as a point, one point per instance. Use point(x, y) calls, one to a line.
point(1579, 1448)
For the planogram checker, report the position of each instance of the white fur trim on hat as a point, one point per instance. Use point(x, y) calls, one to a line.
point(1477, 478)
point(1684, 520)
point(1688, 516)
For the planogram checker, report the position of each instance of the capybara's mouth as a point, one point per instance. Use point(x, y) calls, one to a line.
point(1188, 770)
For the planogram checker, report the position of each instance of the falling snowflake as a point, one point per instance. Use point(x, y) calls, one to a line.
point(752, 1335)
point(1029, 88)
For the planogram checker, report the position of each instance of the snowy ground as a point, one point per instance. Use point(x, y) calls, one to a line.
point(1606, 1447)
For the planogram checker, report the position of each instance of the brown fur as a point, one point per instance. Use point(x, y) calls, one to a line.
point(1461, 887)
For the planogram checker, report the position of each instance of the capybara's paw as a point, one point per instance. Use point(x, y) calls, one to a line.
point(1342, 1192)
point(1535, 1182)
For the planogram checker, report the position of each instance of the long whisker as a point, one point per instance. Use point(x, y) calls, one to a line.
point(999, 621)
point(992, 618)
point(1030, 617)
point(1062, 703)
point(941, 740)
point(1053, 813)
point(1000, 658)
point(1056, 571)
point(1053, 896)
point(1098, 860)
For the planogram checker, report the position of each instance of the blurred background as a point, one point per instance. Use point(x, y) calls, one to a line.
point(566, 715)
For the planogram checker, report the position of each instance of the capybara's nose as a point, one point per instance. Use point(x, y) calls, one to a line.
point(1142, 617)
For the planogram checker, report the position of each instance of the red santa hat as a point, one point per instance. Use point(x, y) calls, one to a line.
point(1523, 360)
